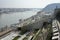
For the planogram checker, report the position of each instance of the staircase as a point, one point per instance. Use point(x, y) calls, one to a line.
point(55, 28)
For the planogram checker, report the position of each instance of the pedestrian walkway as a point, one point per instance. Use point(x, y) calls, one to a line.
point(30, 37)
point(23, 36)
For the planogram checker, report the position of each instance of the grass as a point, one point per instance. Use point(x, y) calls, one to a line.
point(26, 38)
point(16, 38)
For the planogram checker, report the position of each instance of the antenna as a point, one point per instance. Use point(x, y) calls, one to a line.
point(56, 7)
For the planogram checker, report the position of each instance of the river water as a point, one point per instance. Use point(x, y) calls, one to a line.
point(12, 18)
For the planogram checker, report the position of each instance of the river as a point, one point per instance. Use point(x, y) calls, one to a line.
point(12, 18)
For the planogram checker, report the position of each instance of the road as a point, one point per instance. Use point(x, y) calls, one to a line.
point(10, 36)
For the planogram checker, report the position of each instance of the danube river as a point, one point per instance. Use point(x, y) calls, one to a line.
point(12, 18)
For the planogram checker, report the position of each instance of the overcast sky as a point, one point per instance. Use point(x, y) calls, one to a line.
point(26, 3)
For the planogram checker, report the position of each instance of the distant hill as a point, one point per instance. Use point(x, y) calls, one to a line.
point(51, 7)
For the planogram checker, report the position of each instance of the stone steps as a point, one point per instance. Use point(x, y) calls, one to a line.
point(55, 30)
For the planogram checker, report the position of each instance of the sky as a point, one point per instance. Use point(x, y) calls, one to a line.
point(26, 3)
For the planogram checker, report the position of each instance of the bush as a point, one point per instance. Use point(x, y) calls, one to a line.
point(23, 32)
point(19, 28)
